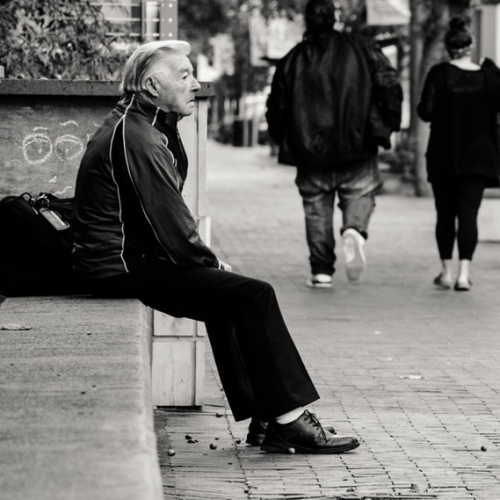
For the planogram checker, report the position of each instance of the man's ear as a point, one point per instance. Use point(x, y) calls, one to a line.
point(151, 86)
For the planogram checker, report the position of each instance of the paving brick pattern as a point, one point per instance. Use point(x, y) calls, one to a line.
point(412, 370)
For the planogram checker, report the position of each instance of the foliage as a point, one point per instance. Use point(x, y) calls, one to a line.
point(199, 20)
point(287, 8)
point(63, 39)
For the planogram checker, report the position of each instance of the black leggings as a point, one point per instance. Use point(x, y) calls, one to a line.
point(459, 200)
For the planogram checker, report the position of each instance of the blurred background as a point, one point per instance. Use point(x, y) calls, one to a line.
point(236, 44)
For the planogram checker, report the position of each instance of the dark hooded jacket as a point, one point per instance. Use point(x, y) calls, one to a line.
point(128, 196)
point(334, 98)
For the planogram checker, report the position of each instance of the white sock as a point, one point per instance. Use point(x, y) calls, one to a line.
point(290, 416)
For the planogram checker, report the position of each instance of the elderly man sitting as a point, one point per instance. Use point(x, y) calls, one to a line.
point(135, 237)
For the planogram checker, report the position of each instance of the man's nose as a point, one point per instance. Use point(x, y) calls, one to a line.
point(196, 85)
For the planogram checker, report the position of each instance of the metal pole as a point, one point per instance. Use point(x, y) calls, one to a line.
point(169, 19)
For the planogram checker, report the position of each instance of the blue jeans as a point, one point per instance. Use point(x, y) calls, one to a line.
point(356, 185)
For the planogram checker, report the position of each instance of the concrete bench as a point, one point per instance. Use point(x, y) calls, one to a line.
point(76, 403)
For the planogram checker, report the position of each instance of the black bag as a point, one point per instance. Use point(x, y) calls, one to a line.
point(36, 240)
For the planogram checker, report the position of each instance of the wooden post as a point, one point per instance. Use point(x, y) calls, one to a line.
point(178, 361)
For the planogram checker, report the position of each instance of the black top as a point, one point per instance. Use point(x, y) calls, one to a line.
point(462, 107)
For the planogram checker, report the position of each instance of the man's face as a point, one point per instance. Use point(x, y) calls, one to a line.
point(176, 86)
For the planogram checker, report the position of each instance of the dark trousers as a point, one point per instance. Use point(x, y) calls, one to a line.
point(356, 184)
point(259, 366)
point(457, 205)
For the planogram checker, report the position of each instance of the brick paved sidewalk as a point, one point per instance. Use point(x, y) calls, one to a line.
point(413, 371)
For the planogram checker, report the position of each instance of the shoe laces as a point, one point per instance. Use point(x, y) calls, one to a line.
point(313, 419)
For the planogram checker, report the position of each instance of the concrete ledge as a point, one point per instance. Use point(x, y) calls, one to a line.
point(95, 88)
point(76, 418)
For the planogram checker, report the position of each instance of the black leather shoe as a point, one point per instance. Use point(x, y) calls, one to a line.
point(305, 435)
point(257, 431)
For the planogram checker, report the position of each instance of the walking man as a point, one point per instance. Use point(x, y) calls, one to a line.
point(135, 237)
point(334, 99)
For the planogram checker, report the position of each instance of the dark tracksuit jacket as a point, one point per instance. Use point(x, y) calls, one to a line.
point(128, 201)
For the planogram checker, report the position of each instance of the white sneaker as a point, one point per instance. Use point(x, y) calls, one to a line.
point(319, 281)
point(355, 260)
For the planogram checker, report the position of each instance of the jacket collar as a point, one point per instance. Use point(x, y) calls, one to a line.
point(158, 118)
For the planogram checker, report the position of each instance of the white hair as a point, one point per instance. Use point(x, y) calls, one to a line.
point(144, 60)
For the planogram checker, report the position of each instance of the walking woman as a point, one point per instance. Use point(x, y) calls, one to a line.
point(461, 100)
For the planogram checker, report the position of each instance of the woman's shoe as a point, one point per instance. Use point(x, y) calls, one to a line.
point(442, 283)
point(463, 286)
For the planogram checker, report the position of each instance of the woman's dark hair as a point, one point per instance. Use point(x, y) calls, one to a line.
point(458, 38)
point(320, 16)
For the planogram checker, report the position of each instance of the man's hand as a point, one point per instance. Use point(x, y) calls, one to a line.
point(225, 267)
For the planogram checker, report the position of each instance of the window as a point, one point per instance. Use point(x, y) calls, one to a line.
point(145, 20)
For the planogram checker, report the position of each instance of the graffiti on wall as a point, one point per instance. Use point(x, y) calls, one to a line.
point(38, 147)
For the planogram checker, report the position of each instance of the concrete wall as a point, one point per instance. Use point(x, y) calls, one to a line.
point(45, 125)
